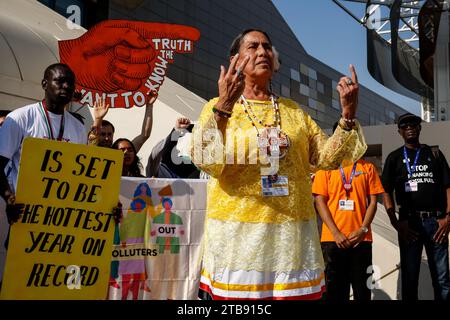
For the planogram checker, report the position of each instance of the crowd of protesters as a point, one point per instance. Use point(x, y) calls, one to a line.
point(254, 210)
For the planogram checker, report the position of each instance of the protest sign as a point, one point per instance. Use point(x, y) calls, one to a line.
point(119, 61)
point(61, 246)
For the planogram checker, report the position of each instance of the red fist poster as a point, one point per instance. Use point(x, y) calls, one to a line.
point(120, 61)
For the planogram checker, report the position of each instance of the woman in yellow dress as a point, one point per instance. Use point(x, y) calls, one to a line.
point(260, 239)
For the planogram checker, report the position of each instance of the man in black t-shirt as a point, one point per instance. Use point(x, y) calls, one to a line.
point(420, 177)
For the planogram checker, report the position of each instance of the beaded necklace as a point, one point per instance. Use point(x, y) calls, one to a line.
point(252, 116)
point(274, 140)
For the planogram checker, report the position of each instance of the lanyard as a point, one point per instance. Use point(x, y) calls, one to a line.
point(405, 155)
point(49, 123)
point(348, 185)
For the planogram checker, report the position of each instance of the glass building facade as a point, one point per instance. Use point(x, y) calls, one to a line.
point(302, 78)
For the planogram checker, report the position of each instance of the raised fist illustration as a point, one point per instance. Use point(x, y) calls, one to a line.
point(117, 54)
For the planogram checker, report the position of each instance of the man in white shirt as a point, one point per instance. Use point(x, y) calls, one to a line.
point(45, 119)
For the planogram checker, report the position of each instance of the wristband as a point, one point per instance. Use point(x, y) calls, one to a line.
point(221, 113)
point(347, 124)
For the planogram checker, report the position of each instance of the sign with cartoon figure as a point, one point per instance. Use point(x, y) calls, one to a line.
point(120, 61)
point(61, 246)
point(157, 248)
point(167, 227)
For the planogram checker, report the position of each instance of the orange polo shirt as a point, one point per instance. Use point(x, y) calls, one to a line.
point(366, 181)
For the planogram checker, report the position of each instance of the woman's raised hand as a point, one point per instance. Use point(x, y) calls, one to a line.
point(231, 83)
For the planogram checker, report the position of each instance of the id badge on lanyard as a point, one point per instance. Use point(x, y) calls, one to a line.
point(346, 204)
point(274, 186)
point(49, 123)
point(411, 186)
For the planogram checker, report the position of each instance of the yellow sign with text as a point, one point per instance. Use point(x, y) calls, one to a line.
point(61, 246)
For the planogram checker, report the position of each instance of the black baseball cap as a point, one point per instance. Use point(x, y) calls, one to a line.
point(408, 118)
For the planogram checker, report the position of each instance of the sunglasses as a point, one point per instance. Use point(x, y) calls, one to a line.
point(408, 124)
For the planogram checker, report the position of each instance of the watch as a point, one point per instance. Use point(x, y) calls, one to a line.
point(364, 229)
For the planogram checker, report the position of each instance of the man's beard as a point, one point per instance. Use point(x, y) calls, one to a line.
point(412, 140)
point(105, 144)
point(63, 100)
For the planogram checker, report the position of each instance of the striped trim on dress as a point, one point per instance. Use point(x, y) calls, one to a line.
point(264, 286)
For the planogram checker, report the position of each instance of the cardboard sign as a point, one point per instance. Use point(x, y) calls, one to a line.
point(121, 61)
point(61, 246)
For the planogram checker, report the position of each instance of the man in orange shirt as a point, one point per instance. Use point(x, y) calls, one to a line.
point(346, 199)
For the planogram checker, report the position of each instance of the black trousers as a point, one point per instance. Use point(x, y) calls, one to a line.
point(345, 267)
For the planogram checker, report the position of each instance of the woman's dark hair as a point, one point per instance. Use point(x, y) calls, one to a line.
point(4, 113)
point(135, 167)
point(236, 44)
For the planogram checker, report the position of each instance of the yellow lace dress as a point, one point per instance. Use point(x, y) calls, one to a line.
point(257, 247)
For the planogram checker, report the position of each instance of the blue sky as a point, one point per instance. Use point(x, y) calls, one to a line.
point(329, 34)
